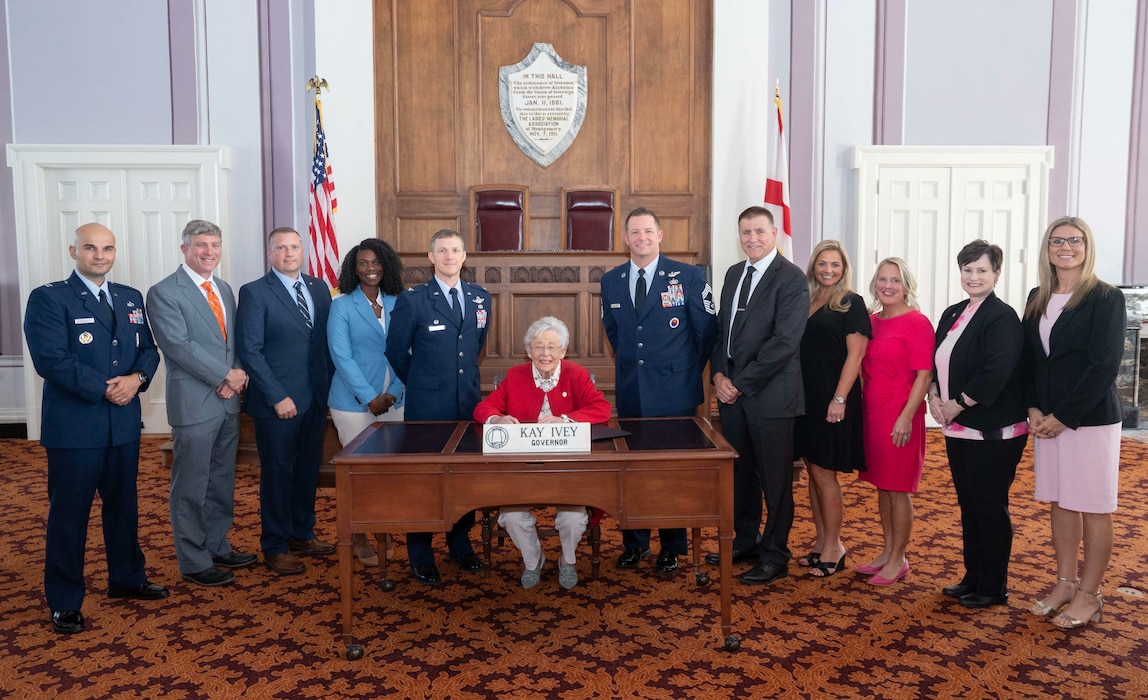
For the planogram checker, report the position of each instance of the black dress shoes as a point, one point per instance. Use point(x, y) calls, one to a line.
point(763, 574)
point(961, 589)
point(145, 591)
point(67, 621)
point(667, 564)
point(426, 574)
point(974, 600)
point(468, 562)
point(210, 576)
point(632, 557)
point(235, 560)
point(739, 556)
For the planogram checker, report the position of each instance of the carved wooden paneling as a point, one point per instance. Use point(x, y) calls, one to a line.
point(440, 129)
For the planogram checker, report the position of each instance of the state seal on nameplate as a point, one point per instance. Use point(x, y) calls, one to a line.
point(543, 103)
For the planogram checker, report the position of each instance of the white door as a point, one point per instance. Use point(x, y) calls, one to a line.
point(993, 204)
point(924, 204)
point(144, 195)
point(913, 223)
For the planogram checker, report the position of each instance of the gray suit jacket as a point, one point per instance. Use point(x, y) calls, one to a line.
point(194, 351)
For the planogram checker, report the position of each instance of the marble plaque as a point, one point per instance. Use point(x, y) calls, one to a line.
point(543, 103)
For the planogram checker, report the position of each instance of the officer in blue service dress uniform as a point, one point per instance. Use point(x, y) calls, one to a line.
point(89, 340)
point(661, 321)
point(437, 334)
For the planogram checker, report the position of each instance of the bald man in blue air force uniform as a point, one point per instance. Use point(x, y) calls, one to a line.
point(89, 340)
point(437, 334)
point(661, 320)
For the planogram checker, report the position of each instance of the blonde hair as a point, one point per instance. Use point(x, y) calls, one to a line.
point(844, 286)
point(908, 281)
point(1047, 273)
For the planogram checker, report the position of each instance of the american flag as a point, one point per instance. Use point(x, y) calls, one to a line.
point(324, 260)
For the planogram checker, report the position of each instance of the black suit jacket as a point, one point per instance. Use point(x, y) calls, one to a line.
point(766, 363)
point(984, 364)
point(1076, 380)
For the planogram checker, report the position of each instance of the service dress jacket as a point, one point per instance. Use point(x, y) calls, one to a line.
point(435, 357)
point(659, 355)
point(76, 352)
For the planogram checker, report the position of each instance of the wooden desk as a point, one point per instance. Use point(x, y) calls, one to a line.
point(424, 476)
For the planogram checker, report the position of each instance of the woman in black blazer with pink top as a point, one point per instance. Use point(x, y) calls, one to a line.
point(977, 397)
point(1074, 339)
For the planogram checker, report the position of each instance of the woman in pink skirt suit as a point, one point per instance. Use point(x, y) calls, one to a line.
point(896, 372)
point(1074, 338)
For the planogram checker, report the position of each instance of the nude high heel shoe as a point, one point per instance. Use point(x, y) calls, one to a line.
point(1067, 622)
point(1043, 609)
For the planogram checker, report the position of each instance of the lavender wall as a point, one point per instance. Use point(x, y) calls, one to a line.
point(84, 72)
point(975, 81)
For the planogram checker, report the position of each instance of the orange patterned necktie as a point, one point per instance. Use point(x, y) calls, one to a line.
point(216, 307)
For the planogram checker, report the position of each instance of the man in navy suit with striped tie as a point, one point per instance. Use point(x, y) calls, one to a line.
point(281, 337)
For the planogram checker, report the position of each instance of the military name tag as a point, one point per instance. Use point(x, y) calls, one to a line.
point(503, 438)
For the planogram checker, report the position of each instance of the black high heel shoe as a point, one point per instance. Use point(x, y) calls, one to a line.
point(827, 568)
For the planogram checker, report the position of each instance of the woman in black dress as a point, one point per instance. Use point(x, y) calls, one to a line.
point(828, 438)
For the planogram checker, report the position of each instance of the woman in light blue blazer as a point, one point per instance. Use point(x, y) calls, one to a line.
point(364, 389)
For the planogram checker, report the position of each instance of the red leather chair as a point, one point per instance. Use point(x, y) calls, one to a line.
point(590, 219)
point(500, 215)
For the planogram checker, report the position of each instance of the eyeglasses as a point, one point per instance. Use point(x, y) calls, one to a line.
point(548, 349)
point(1075, 242)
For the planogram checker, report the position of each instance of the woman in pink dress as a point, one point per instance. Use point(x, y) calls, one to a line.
point(896, 372)
point(1074, 338)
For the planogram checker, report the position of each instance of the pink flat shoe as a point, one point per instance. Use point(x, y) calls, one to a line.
point(903, 573)
point(868, 569)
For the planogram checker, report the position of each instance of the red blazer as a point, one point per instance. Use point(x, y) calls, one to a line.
point(575, 397)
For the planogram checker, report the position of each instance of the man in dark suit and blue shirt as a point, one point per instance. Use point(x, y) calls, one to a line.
point(193, 317)
point(660, 319)
point(756, 373)
point(89, 340)
point(437, 334)
point(281, 332)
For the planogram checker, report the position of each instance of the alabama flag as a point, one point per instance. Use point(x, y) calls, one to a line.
point(324, 260)
point(777, 181)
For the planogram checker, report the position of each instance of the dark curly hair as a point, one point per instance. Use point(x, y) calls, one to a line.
point(392, 280)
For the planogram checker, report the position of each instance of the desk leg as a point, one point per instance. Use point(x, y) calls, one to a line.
point(346, 598)
point(725, 551)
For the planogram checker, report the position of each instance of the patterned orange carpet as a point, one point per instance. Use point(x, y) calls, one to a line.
point(625, 635)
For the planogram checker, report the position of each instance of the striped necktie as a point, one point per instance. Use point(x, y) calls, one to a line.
point(301, 302)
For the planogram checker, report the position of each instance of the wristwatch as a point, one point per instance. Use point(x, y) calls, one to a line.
point(142, 376)
point(838, 399)
point(961, 401)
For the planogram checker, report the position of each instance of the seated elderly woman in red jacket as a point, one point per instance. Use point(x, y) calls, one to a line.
point(545, 390)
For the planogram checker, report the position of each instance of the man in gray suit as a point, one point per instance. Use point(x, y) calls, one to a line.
point(192, 317)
